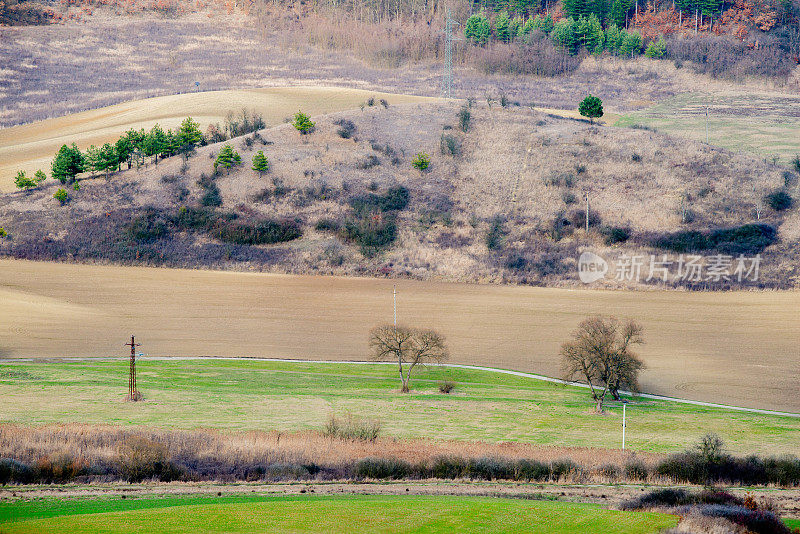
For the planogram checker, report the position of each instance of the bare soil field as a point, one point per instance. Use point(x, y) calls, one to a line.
point(31, 146)
point(737, 348)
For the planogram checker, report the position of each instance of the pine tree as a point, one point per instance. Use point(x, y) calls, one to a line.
point(631, 44)
point(575, 8)
point(69, 162)
point(260, 163)
point(154, 142)
point(612, 39)
point(23, 182)
point(92, 159)
point(107, 159)
point(502, 30)
point(591, 107)
point(564, 35)
point(548, 24)
point(619, 10)
point(124, 147)
point(478, 29)
point(590, 33)
point(227, 158)
point(516, 27)
point(656, 49)
point(303, 123)
point(188, 137)
point(39, 176)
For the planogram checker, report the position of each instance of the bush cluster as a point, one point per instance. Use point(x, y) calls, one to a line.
point(746, 239)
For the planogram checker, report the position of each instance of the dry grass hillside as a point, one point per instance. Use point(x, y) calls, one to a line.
point(501, 202)
point(31, 146)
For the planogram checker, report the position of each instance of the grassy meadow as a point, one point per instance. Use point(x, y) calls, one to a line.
point(258, 395)
point(246, 513)
point(760, 123)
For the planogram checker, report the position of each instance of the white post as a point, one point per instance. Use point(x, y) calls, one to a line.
point(394, 304)
point(587, 213)
point(706, 123)
point(623, 425)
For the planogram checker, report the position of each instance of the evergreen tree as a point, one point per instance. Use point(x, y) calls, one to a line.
point(154, 142)
point(189, 133)
point(124, 147)
point(547, 24)
point(260, 163)
point(171, 145)
point(23, 182)
point(68, 162)
point(92, 159)
point(656, 49)
point(631, 44)
point(303, 123)
point(564, 35)
point(39, 177)
point(502, 29)
point(590, 33)
point(613, 36)
point(575, 8)
point(591, 107)
point(531, 24)
point(107, 159)
point(515, 28)
point(227, 158)
point(619, 10)
point(478, 29)
point(188, 137)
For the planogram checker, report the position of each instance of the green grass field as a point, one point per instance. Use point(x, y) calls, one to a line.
point(164, 515)
point(763, 124)
point(259, 395)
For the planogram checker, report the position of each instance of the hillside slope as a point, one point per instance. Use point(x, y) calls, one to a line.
point(30, 147)
point(506, 207)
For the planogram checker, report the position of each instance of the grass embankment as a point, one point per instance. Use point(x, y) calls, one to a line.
point(322, 514)
point(258, 395)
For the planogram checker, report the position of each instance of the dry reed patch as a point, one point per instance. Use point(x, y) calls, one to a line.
point(98, 445)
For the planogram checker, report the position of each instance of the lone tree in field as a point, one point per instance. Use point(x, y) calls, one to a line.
point(303, 123)
point(408, 346)
point(260, 163)
point(600, 353)
point(591, 107)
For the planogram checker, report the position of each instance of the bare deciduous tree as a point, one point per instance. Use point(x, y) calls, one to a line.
point(600, 353)
point(408, 346)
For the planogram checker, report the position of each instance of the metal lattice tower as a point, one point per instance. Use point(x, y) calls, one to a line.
point(447, 75)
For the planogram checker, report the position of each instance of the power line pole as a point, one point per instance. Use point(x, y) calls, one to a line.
point(623, 424)
point(447, 76)
point(587, 212)
point(133, 395)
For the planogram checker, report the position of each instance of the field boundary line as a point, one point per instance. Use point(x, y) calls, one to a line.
point(522, 374)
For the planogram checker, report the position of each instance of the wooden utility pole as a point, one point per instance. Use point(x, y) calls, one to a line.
point(133, 395)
